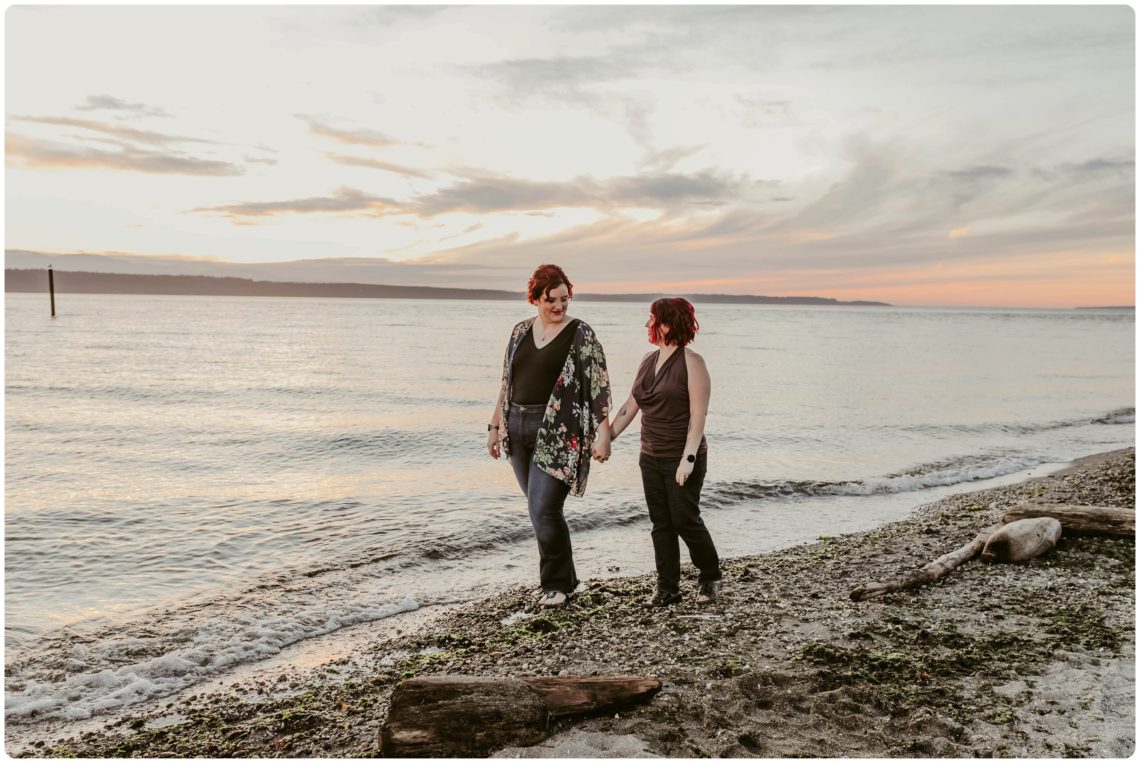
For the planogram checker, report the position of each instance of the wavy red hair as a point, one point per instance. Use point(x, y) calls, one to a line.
point(543, 279)
point(679, 315)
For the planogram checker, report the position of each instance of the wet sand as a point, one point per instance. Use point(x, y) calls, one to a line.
point(1031, 660)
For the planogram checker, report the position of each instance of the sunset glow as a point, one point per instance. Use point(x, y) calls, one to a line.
point(914, 155)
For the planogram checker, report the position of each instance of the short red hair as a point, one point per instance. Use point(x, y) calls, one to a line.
point(679, 315)
point(543, 279)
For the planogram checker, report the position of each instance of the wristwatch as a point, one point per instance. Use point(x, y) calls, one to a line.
point(691, 458)
point(490, 427)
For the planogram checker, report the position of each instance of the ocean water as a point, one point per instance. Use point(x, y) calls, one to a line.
point(195, 483)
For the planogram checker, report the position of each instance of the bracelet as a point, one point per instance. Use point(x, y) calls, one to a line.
point(491, 426)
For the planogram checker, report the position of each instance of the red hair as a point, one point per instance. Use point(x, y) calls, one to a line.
point(678, 314)
point(543, 279)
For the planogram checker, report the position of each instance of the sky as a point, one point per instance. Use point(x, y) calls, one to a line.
point(916, 155)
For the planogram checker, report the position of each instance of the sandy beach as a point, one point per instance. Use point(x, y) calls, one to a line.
point(1030, 660)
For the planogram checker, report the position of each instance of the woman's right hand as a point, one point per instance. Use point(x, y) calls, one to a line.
point(493, 442)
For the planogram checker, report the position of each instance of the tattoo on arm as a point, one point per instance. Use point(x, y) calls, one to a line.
point(623, 411)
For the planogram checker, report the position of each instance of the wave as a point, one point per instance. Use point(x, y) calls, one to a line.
point(387, 444)
point(960, 470)
point(73, 678)
point(799, 437)
point(1121, 416)
point(1118, 416)
point(90, 669)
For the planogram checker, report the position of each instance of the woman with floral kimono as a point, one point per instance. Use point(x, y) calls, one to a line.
point(550, 418)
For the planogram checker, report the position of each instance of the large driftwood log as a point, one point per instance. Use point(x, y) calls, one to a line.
point(466, 716)
point(928, 574)
point(1022, 540)
point(461, 716)
point(1080, 520)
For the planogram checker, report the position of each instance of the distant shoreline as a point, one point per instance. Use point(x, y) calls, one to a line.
point(1108, 307)
point(20, 280)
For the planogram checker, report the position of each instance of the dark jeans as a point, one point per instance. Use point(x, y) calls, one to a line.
point(676, 513)
point(544, 498)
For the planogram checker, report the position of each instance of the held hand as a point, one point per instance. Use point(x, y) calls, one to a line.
point(684, 470)
point(601, 447)
point(493, 443)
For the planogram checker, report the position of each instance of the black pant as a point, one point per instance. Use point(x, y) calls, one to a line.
point(676, 513)
point(544, 498)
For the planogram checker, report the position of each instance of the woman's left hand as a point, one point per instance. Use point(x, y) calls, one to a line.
point(684, 469)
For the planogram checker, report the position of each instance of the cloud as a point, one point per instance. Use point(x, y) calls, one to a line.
point(1101, 165)
point(487, 193)
point(672, 189)
point(118, 131)
point(35, 153)
point(760, 111)
point(110, 103)
point(351, 137)
point(666, 159)
point(980, 173)
point(558, 76)
point(342, 200)
point(359, 161)
point(391, 15)
point(483, 193)
point(637, 116)
point(502, 194)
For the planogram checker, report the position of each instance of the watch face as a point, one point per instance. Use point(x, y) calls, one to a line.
point(690, 458)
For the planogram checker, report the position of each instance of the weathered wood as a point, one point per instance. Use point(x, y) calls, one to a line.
point(1022, 540)
point(1080, 520)
point(461, 716)
point(466, 716)
point(927, 574)
point(582, 695)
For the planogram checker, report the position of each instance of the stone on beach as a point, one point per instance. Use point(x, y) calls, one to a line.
point(1022, 540)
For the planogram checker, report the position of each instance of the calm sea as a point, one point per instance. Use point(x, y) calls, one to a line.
point(194, 483)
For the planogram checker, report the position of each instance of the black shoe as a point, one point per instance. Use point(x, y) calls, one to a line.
point(708, 591)
point(663, 598)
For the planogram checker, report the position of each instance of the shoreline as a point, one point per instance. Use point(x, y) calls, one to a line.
point(1029, 660)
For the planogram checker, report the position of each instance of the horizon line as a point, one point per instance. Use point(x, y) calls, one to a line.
point(599, 296)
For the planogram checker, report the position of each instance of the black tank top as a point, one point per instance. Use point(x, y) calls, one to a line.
point(663, 397)
point(534, 371)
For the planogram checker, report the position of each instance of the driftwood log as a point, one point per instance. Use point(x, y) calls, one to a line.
point(928, 574)
point(470, 716)
point(1022, 540)
point(1080, 520)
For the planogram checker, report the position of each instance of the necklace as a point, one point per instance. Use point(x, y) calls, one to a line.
point(548, 331)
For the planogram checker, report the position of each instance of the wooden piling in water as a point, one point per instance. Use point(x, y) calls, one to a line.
point(51, 289)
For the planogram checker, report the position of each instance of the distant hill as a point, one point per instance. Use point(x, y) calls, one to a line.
point(81, 282)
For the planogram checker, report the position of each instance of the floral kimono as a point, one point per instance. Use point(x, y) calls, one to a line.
point(578, 405)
